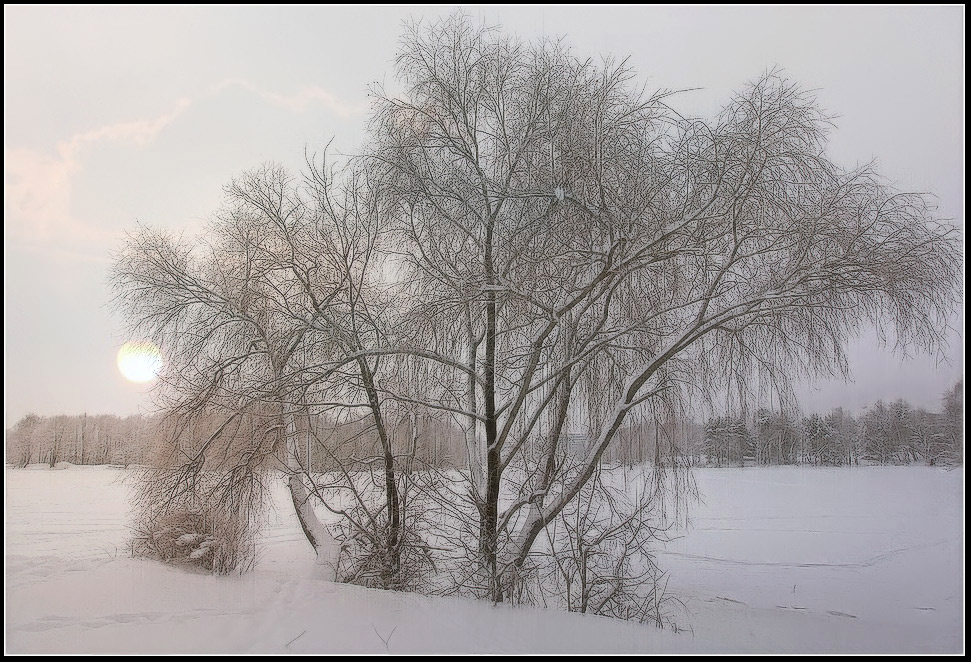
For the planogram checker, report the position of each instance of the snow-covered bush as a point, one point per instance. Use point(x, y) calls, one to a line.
point(195, 519)
point(212, 539)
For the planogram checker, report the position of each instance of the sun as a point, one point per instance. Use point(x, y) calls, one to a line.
point(139, 361)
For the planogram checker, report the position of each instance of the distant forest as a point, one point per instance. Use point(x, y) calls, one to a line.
point(884, 433)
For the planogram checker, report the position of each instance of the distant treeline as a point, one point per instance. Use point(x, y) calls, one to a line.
point(884, 433)
point(84, 439)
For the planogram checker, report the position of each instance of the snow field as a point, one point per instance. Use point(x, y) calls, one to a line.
point(781, 559)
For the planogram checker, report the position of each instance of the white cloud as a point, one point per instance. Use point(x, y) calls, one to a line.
point(301, 100)
point(38, 186)
point(138, 132)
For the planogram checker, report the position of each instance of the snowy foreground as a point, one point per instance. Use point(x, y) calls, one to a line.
point(782, 559)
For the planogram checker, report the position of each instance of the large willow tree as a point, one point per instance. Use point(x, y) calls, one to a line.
point(586, 255)
point(533, 248)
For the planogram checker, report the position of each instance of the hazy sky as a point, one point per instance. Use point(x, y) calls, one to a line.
point(117, 115)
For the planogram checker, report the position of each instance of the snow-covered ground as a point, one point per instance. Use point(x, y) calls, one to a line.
point(787, 559)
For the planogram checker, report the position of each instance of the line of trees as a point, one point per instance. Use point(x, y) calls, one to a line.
point(533, 251)
point(97, 440)
point(884, 433)
point(101, 439)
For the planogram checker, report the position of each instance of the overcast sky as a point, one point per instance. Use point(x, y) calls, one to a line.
point(117, 115)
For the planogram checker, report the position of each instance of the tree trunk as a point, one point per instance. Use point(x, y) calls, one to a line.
point(489, 508)
point(392, 498)
point(84, 420)
point(489, 505)
point(324, 544)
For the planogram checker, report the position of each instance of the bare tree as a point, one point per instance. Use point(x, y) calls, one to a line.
point(352, 370)
point(775, 438)
point(536, 251)
point(727, 439)
point(270, 323)
point(577, 254)
point(230, 316)
point(21, 440)
point(887, 432)
point(948, 437)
